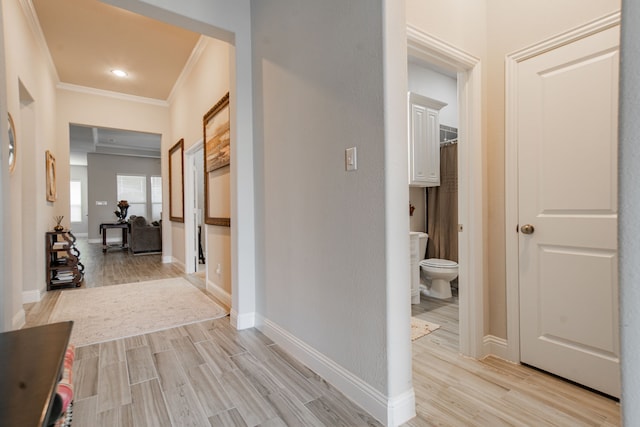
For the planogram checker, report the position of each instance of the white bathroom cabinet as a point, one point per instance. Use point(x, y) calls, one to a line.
point(424, 140)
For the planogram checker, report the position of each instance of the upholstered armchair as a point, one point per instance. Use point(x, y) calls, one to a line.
point(145, 238)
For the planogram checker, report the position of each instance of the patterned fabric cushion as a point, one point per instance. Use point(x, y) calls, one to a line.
point(65, 386)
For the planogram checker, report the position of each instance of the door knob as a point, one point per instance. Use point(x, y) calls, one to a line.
point(527, 229)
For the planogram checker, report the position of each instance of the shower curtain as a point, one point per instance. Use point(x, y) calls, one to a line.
point(442, 208)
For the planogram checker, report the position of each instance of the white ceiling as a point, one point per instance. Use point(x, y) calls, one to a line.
point(87, 39)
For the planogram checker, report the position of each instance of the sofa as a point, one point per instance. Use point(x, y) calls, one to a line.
point(144, 237)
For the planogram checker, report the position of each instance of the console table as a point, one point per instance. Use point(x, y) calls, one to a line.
point(31, 362)
point(125, 230)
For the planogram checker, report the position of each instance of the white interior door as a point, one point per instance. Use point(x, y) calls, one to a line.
point(567, 193)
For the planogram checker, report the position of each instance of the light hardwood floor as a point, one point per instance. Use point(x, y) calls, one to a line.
point(210, 374)
point(452, 390)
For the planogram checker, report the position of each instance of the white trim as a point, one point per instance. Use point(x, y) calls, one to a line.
point(81, 234)
point(391, 412)
point(223, 296)
point(243, 321)
point(190, 253)
point(167, 259)
point(511, 165)
point(95, 240)
point(177, 262)
point(495, 346)
point(41, 41)
point(31, 296)
point(19, 320)
point(196, 52)
point(110, 94)
point(470, 181)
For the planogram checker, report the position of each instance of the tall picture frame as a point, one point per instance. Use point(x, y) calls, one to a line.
point(176, 182)
point(217, 160)
point(52, 193)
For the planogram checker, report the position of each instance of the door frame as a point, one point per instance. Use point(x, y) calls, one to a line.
point(470, 183)
point(189, 187)
point(511, 165)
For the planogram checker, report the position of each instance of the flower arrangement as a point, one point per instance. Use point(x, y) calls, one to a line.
point(121, 213)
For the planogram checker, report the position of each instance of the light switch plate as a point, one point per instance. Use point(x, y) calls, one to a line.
point(351, 159)
point(101, 203)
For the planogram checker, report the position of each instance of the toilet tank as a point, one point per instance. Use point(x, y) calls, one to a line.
point(423, 238)
point(418, 246)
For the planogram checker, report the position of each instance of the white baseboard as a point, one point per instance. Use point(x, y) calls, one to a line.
point(495, 346)
point(31, 296)
point(19, 320)
point(81, 234)
point(221, 295)
point(242, 321)
point(94, 240)
point(110, 240)
point(389, 411)
point(175, 261)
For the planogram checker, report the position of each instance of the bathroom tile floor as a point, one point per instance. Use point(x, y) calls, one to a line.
point(452, 390)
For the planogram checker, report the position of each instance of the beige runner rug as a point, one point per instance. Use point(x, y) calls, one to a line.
point(112, 312)
point(420, 328)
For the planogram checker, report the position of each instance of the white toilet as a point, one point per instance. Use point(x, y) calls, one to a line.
point(438, 274)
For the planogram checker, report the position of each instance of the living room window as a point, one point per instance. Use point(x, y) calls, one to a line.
point(156, 198)
point(133, 189)
point(75, 195)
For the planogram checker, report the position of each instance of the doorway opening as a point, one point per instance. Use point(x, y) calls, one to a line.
point(195, 236)
point(427, 49)
point(434, 208)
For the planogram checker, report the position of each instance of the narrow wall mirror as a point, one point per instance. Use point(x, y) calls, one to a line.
point(176, 182)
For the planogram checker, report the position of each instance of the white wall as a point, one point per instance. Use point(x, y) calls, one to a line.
point(438, 86)
point(28, 79)
point(116, 112)
point(629, 227)
point(203, 85)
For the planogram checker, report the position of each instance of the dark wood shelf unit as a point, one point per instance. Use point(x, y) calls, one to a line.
point(64, 268)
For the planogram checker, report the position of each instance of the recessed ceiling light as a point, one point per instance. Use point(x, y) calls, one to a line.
point(119, 73)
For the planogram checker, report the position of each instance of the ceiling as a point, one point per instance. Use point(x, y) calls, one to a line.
point(90, 139)
point(87, 39)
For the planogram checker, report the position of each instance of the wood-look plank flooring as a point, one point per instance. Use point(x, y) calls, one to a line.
point(209, 374)
point(452, 390)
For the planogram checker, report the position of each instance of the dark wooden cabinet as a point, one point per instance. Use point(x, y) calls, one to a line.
point(28, 378)
point(64, 268)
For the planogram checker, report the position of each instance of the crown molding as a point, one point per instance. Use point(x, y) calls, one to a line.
point(32, 19)
point(110, 94)
point(197, 51)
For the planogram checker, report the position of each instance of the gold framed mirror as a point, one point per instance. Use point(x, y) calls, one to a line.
point(12, 144)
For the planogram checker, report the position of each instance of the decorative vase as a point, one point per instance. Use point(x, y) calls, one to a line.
point(58, 220)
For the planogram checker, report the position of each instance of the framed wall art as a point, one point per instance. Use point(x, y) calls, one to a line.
point(217, 160)
point(52, 194)
point(176, 182)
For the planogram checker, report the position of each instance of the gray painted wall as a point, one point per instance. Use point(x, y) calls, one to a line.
point(102, 170)
point(318, 72)
point(629, 173)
